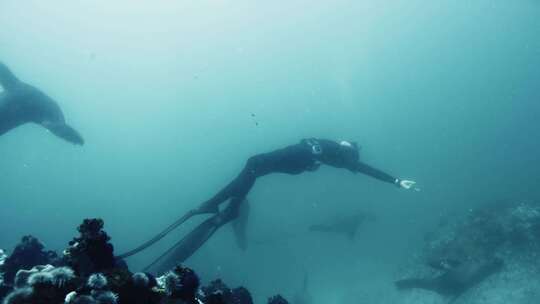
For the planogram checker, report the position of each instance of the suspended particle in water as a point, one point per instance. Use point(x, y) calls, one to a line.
point(253, 116)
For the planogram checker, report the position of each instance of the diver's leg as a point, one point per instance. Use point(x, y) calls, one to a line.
point(239, 187)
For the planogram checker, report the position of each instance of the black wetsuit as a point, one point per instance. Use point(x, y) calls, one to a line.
point(307, 155)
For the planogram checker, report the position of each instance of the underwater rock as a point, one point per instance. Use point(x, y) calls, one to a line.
point(91, 252)
point(143, 280)
point(139, 289)
point(20, 296)
point(42, 284)
point(242, 296)
point(483, 232)
point(96, 289)
point(27, 254)
point(63, 277)
point(218, 292)
point(180, 283)
point(105, 297)
point(97, 281)
point(214, 299)
point(464, 257)
point(3, 257)
point(74, 298)
point(215, 287)
point(455, 281)
point(22, 276)
point(94, 277)
point(277, 300)
point(4, 289)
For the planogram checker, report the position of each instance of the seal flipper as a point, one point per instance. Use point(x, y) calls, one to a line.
point(7, 79)
point(64, 131)
point(455, 281)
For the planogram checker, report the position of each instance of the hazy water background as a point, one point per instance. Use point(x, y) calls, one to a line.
point(445, 92)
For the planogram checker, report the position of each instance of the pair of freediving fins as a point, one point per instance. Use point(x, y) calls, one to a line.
point(190, 243)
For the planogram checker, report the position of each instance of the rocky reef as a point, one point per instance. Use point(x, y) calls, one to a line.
point(218, 292)
point(27, 254)
point(88, 272)
point(494, 249)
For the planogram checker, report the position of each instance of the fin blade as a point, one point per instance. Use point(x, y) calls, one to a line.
point(7, 79)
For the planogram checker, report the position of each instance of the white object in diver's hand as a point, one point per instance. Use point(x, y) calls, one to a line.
point(408, 184)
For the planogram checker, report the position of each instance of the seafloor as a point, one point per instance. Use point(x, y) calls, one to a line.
point(490, 255)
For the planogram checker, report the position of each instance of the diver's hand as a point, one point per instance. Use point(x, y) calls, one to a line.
point(407, 184)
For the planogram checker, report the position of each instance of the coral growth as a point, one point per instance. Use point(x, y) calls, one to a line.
point(27, 254)
point(94, 277)
point(3, 257)
point(20, 296)
point(277, 300)
point(42, 284)
point(97, 281)
point(91, 252)
point(218, 292)
point(181, 283)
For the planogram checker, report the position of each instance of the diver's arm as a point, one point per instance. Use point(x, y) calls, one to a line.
point(376, 173)
point(385, 177)
point(7, 78)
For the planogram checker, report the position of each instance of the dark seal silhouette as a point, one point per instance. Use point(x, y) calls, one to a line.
point(345, 225)
point(455, 281)
point(21, 103)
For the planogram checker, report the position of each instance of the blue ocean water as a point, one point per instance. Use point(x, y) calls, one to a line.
point(172, 97)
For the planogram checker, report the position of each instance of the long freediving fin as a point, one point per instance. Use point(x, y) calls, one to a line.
point(184, 248)
point(160, 235)
point(190, 243)
point(7, 79)
point(239, 225)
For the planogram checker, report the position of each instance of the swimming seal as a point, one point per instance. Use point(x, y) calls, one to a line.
point(346, 225)
point(21, 103)
point(455, 281)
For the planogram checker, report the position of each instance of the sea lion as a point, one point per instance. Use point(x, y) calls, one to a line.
point(346, 225)
point(455, 281)
point(21, 103)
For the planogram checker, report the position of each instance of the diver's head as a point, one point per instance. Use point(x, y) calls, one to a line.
point(349, 152)
point(342, 154)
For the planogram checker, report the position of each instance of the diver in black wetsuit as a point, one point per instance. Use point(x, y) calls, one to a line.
point(21, 103)
point(307, 155)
